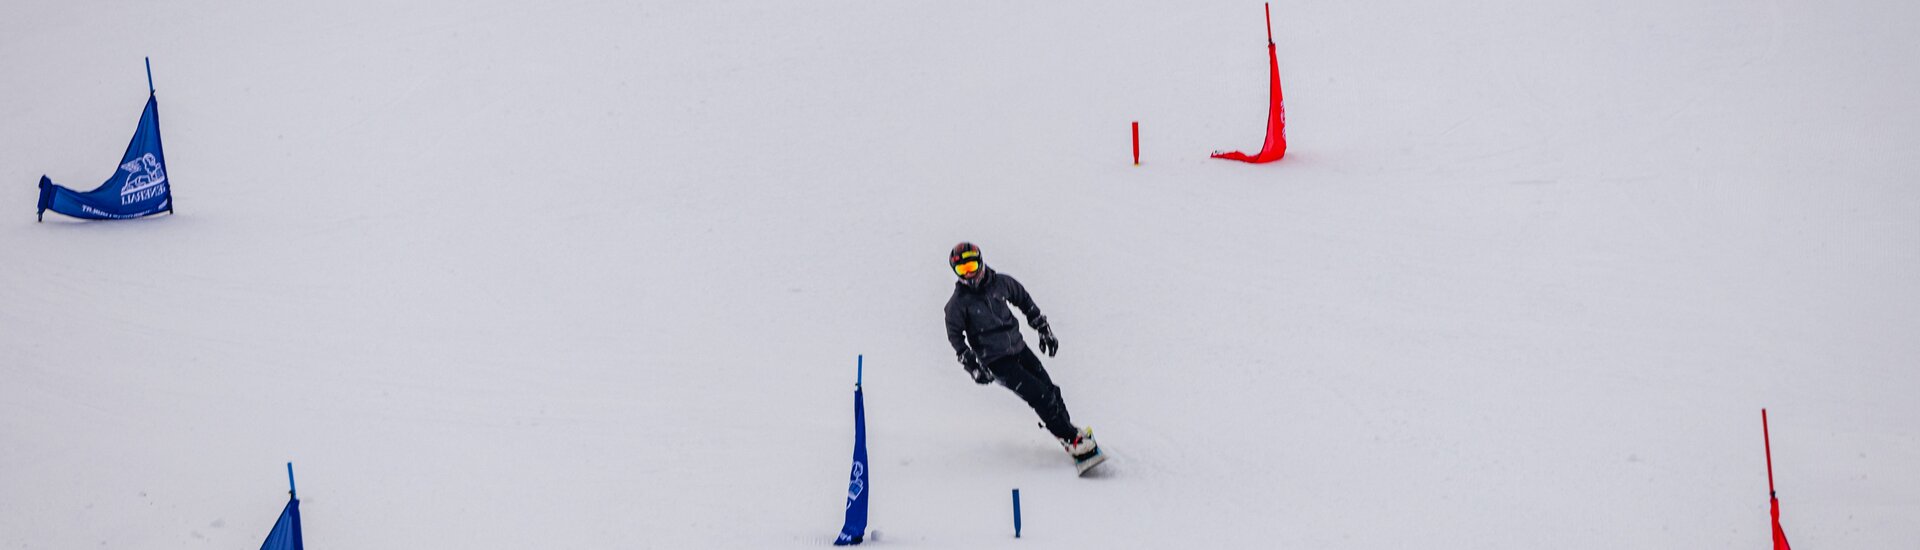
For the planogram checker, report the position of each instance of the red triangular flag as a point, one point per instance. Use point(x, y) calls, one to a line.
point(1276, 145)
point(1779, 536)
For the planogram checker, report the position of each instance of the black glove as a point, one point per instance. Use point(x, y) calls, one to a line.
point(1048, 343)
point(972, 366)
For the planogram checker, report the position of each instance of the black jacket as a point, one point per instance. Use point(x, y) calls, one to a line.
point(977, 317)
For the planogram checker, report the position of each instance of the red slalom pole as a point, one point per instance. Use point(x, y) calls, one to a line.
point(1269, 6)
point(1767, 437)
point(1773, 500)
point(1136, 143)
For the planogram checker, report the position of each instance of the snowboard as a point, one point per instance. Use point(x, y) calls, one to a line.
point(1087, 462)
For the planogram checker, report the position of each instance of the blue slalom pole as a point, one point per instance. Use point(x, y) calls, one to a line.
point(291, 492)
point(859, 369)
point(1016, 513)
point(150, 86)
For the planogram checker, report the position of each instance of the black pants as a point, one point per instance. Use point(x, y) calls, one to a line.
point(1022, 373)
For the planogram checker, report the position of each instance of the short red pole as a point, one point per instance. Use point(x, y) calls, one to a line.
point(1269, 7)
point(1767, 438)
point(1136, 143)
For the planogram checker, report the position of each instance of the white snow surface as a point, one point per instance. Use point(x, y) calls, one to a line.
point(594, 274)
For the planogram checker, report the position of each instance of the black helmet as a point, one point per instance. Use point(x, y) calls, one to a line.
point(966, 260)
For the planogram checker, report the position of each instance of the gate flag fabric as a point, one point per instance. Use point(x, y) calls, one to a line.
point(855, 529)
point(1779, 535)
point(138, 188)
point(286, 532)
point(1276, 145)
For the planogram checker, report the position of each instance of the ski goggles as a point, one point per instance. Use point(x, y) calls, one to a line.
point(967, 268)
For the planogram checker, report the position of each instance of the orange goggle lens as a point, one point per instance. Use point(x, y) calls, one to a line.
point(966, 268)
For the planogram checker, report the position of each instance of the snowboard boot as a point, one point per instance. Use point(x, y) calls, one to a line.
point(1084, 450)
point(1082, 445)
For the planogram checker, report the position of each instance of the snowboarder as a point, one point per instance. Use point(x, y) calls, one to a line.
point(987, 339)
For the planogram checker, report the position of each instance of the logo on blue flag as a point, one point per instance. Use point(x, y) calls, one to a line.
point(858, 484)
point(138, 188)
point(146, 179)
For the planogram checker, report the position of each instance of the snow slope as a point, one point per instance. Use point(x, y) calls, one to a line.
point(594, 274)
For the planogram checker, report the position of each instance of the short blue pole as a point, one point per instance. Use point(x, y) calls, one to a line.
point(859, 369)
point(150, 79)
point(291, 492)
point(1016, 513)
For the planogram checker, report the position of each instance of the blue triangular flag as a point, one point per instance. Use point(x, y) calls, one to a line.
point(855, 529)
point(138, 188)
point(286, 532)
